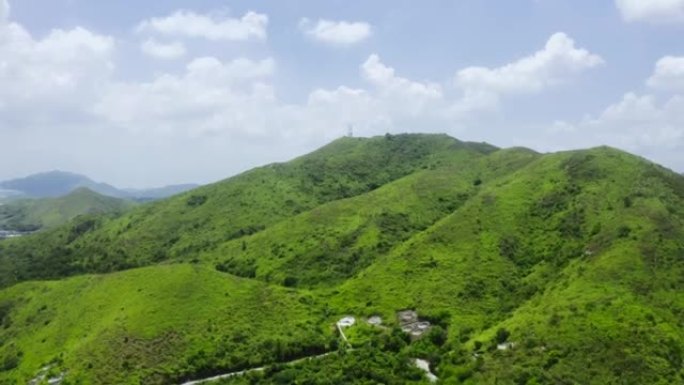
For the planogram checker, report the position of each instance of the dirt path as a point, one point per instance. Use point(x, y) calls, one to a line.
point(345, 322)
point(344, 337)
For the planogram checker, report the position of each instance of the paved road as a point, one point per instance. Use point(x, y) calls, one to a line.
point(261, 369)
point(422, 364)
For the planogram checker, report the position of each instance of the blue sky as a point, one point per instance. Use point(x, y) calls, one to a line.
point(149, 93)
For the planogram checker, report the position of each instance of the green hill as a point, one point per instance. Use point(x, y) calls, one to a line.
point(560, 268)
point(152, 325)
point(35, 214)
point(336, 240)
point(578, 256)
point(199, 221)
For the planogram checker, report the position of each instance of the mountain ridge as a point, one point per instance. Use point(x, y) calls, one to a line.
point(531, 268)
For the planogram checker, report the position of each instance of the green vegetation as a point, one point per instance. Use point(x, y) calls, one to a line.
point(561, 268)
point(199, 221)
point(32, 215)
point(337, 240)
point(154, 325)
point(368, 365)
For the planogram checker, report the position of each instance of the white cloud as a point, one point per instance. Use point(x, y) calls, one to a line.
point(668, 74)
point(230, 107)
point(205, 98)
point(653, 11)
point(168, 51)
point(639, 121)
point(213, 117)
point(641, 124)
point(651, 125)
point(402, 97)
point(189, 24)
point(555, 64)
point(336, 32)
point(51, 73)
point(384, 77)
point(390, 103)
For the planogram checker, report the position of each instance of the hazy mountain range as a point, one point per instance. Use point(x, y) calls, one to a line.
point(59, 183)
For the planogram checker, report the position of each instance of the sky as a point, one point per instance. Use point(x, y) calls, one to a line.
point(143, 94)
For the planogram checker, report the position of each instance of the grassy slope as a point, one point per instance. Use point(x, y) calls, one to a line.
point(569, 254)
point(36, 214)
point(613, 315)
point(203, 219)
point(577, 255)
point(334, 241)
point(153, 325)
point(447, 186)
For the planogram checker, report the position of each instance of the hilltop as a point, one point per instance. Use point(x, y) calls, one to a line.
point(36, 214)
point(531, 269)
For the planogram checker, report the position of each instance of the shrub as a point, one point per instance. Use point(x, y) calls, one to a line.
point(81, 228)
point(5, 310)
point(624, 231)
point(571, 224)
point(197, 200)
point(502, 335)
point(241, 268)
point(478, 345)
point(437, 335)
point(11, 360)
point(508, 246)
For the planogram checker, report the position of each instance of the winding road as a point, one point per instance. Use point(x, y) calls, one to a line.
point(345, 322)
point(260, 369)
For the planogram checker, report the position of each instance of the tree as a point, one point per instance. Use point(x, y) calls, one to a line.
point(502, 335)
point(438, 335)
point(290, 282)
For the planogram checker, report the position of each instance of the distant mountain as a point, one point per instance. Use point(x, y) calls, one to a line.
point(36, 214)
point(55, 184)
point(59, 183)
point(159, 193)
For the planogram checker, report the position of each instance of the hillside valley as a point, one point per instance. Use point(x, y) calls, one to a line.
point(525, 268)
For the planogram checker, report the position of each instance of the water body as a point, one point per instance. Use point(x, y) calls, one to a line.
point(4, 234)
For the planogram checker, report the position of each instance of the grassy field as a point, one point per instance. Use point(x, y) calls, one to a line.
point(560, 268)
